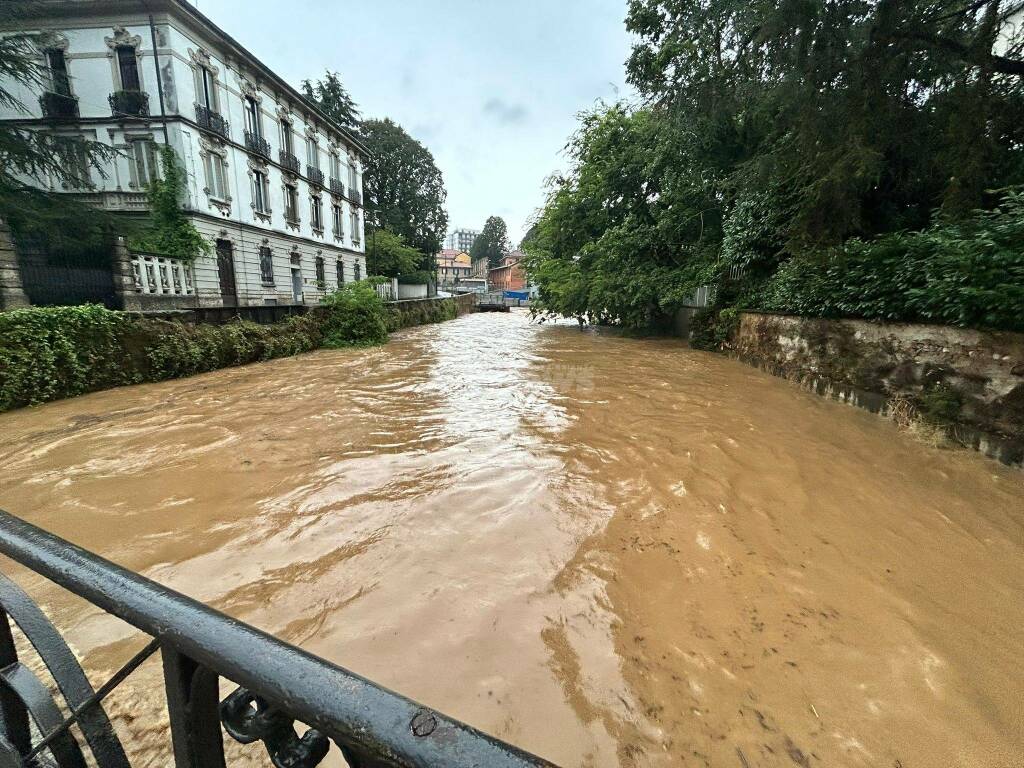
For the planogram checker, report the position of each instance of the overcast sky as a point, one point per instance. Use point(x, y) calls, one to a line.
point(491, 87)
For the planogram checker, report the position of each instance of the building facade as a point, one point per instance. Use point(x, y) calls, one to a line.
point(273, 184)
point(452, 267)
point(461, 240)
point(510, 275)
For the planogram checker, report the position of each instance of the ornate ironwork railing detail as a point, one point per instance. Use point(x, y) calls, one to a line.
point(279, 683)
point(315, 175)
point(257, 144)
point(355, 195)
point(129, 103)
point(337, 187)
point(289, 161)
point(59, 105)
point(211, 121)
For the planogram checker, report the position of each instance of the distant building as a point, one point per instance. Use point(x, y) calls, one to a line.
point(510, 275)
point(452, 267)
point(461, 240)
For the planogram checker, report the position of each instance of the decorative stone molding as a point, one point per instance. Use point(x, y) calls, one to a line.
point(201, 58)
point(212, 145)
point(122, 38)
point(249, 89)
point(53, 41)
point(257, 163)
point(284, 113)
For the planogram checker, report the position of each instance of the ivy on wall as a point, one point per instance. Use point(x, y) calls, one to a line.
point(170, 232)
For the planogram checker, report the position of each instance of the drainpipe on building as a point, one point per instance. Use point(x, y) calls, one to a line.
point(159, 82)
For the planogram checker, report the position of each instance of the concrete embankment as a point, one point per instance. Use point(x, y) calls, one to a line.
point(968, 380)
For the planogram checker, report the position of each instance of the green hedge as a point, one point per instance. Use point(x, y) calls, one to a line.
point(48, 353)
point(967, 273)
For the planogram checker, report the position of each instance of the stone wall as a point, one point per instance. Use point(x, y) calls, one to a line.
point(971, 381)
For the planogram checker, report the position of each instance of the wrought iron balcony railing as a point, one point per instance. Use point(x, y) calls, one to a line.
point(59, 105)
point(211, 121)
point(289, 161)
point(315, 175)
point(280, 684)
point(257, 144)
point(337, 187)
point(355, 195)
point(129, 103)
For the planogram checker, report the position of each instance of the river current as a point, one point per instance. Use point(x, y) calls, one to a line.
point(611, 551)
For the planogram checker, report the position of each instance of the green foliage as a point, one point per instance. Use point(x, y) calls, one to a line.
point(56, 222)
point(170, 233)
point(53, 352)
point(331, 96)
point(713, 329)
point(355, 316)
point(967, 272)
point(492, 242)
point(404, 188)
point(388, 255)
point(421, 313)
point(940, 404)
point(843, 152)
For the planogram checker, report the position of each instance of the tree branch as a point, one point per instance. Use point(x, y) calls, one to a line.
point(987, 59)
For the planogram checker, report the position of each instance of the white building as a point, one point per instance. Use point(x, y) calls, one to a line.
point(272, 182)
point(461, 240)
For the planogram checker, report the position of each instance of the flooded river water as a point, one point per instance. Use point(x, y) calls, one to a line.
point(609, 551)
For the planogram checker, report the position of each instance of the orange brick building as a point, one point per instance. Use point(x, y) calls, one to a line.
point(509, 276)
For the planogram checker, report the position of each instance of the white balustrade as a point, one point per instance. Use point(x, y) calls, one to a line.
point(163, 276)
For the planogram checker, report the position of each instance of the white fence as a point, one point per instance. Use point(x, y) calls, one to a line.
point(388, 291)
point(162, 276)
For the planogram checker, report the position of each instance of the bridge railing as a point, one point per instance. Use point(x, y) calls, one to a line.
point(279, 683)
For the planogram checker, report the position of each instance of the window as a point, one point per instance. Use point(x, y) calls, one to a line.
point(266, 265)
point(354, 221)
point(316, 213)
point(216, 177)
point(206, 89)
point(336, 213)
point(253, 124)
point(353, 180)
point(128, 67)
point(335, 166)
point(340, 267)
point(321, 276)
point(260, 192)
point(287, 142)
point(57, 64)
point(312, 153)
point(291, 203)
point(357, 271)
point(145, 165)
point(76, 162)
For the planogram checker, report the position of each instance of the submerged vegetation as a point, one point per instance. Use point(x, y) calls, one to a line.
point(835, 158)
point(48, 353)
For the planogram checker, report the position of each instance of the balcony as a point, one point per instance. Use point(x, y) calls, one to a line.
point(257, 144)
point(315, 175)
point(135, 103)
point(59, 105)
point(355, 196)
point(211, 121)
point(337, 188)
point(289, 161)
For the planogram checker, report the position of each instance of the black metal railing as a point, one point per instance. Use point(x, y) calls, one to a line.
point(337, 187)
point(279, 683)
point(289, 161)
point(211, 121)
point(129, 103)
point(256, 143)
point(58, 105)
point(315, 175)
point(355, 195)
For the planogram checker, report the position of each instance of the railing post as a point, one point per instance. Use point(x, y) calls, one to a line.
point(124, 277)
point(193, 706)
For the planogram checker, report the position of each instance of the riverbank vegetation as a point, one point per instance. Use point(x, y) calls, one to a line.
point(823, 158)
point(49, 353)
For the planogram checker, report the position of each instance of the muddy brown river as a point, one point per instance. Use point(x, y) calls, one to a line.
point(610, 551)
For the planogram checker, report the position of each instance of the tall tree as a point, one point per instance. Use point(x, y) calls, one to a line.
point(389, 256)
point(404, 188)
point(32, 160)
point(492, 243)
point(333, 99)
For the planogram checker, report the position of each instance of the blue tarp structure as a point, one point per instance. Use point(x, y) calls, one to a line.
point(523, 295)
